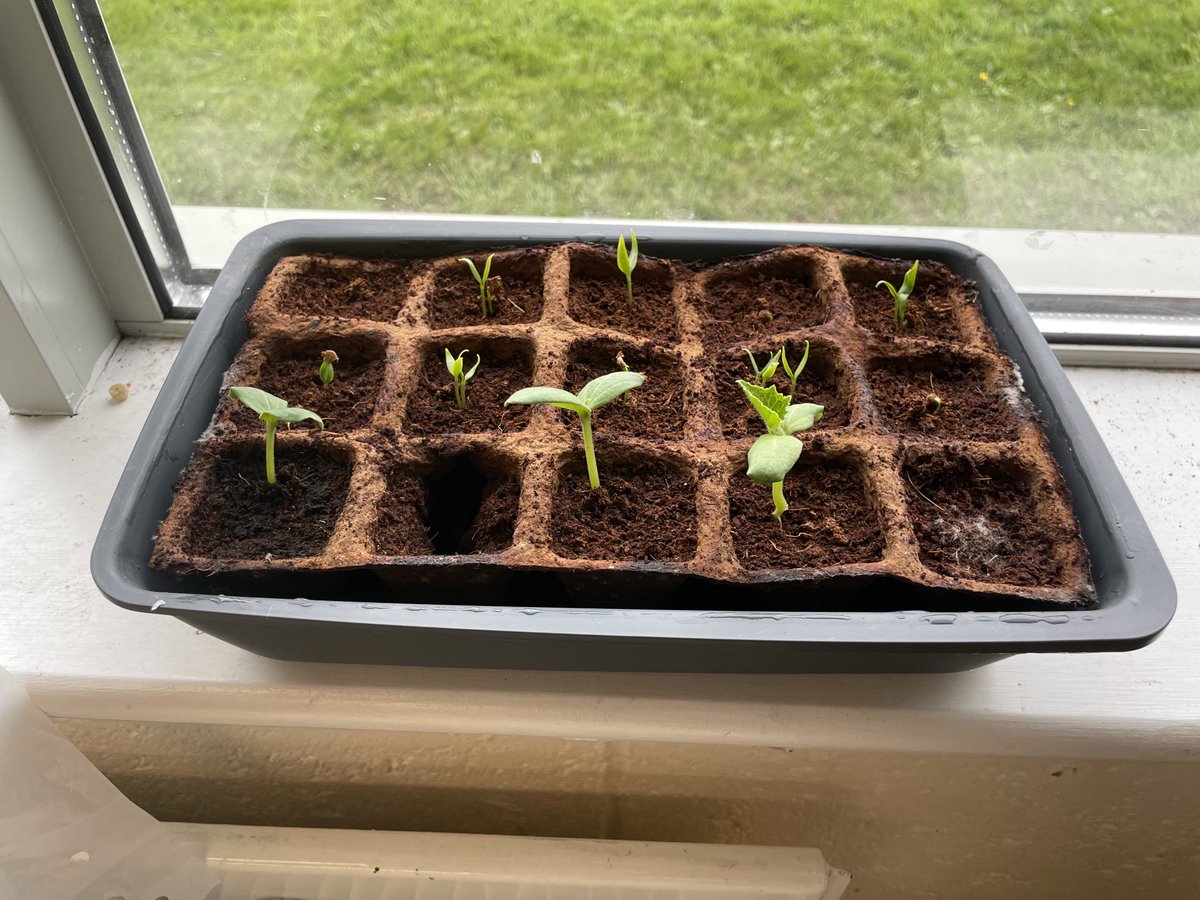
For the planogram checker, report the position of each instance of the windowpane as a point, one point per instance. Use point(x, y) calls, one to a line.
point(1025, 114)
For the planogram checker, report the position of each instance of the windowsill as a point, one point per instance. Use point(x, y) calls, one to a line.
point(84, 658)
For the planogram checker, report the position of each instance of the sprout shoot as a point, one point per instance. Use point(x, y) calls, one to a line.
point(793, 374)
point(627, 260)
point(767, 372)
point(486, 298)
point(272, 410)
point(901, 296)
point(933, 403)
point(772, 456)
point(325, 372)
point(624, 368)
point(455, 366)
point(590, 398)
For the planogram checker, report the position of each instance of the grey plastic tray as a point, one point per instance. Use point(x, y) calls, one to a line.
point(1135, 593)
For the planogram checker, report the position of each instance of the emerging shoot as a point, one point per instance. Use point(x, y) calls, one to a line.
point(933, 403)
point(325, 372)
point(624, 368)
point(627, 260)
point(455, 365)
point(793, 374)
point(772, 456)
point(590, 398)
point(272, 410)
point(901, 296)
point(767, 372)
point(486, 294)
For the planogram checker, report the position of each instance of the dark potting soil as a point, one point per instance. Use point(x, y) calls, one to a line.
point(244, 518)
point(362, 290)
point(830, 520)
point(454, 300)
point(346, 403)
point(970, 410)
point(505, 367)
point(822, 381)
point(983, 521)
point(400, 528)
point(599, 296)
point(654, 411)
point(643, 510)
point(757, 301)
point(931, 308)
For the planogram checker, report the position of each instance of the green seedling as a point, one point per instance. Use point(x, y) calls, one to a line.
point(627, 260)
point(901, 296)
point(767, 372)
point(486, 297)
point(272, 410)
point(933, 403)
point(772, 456)
point(793, 374)
point(461, 375)
point(590, 398)
point(325, 372)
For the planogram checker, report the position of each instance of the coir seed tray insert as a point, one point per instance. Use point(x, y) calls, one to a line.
point(921, 534)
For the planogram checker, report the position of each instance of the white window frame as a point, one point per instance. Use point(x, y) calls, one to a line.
point(74, 275)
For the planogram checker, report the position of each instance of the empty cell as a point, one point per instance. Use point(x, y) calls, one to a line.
point(598, 295)
point(334, 287)
point(744, 301)
point(988, 520)
point(940, 397)
point(644, 509)
point(505, 366)
point(831, 518)
point(514, 285)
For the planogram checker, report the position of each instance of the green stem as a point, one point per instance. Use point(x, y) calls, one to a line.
point(780, 503)
point(271, 423)
point(629, 283)
point(460, 393)
point(589, 452)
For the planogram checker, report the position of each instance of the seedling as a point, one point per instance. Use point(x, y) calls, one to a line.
point(624, 368)
point(772, 456)
point(486, 294)
point(272, 410)
point(793, 374)
point(901, 296)
point(767, 372)
point(590, 398)
point(627, 260)
point(455, 366)
point(325, 372)
point(933, 403)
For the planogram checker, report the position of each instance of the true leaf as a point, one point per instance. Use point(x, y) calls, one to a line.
point(768, 403)
point(608, 387)
point(771, 457)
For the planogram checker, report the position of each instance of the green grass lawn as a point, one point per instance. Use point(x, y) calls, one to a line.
point(1050, 114)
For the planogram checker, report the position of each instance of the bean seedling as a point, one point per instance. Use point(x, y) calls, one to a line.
point(901, 296)
point(455, 365)
point(272, 410)
point(767, 372)
point(627, 260)
point(325, 372)
point(486, 299)
point(793, 374)
point(590, 398)
point(772, 456)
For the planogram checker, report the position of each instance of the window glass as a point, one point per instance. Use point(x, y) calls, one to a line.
point(1025, 114)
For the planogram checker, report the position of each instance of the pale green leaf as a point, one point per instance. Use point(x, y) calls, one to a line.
point(295, 414)
point(768, 403)
point(623, 256)
point(608, 387)
point(471, 372)
point(801, 417)
point(554, 396)
point(633, 251)
point(257, 400)
point(890, 287)
point(910, 281)
point(771, 457)
point(453, 364)
point(487, 268)
point(474, 271)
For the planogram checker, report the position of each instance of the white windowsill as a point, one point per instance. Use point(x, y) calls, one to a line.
point(84, 658)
